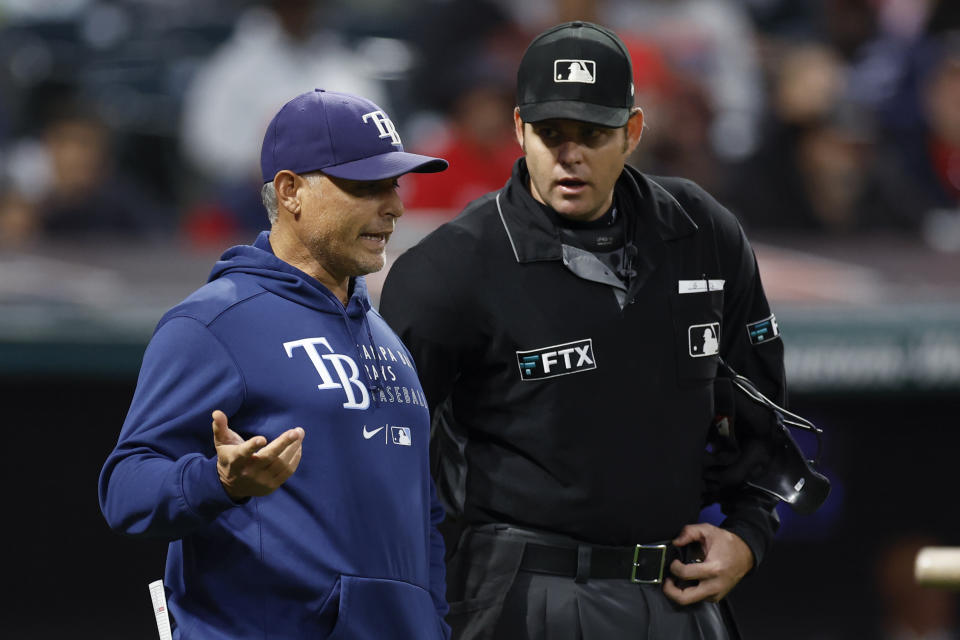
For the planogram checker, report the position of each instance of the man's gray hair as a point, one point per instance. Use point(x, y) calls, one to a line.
point(268, 195)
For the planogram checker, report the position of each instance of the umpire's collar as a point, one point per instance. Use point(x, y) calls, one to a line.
point(534, 237)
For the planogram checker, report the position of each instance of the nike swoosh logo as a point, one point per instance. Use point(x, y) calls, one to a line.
point(369, 434)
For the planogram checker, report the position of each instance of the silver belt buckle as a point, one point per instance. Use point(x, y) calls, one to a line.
point(662, 548)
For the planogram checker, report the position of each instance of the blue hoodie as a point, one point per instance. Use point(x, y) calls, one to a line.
point(348, 546)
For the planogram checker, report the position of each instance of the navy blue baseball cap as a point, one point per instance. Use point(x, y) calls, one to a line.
point(343, 135)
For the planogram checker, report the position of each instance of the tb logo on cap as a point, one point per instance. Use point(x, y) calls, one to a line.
point(384, 125)
point(584, 71)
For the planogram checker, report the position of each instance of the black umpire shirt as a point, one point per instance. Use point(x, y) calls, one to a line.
point(564, 401)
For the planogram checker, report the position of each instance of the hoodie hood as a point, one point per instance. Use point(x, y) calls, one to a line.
point(286, 281)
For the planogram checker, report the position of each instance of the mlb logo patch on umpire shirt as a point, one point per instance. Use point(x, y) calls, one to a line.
point(556, 360)
point(704, 339)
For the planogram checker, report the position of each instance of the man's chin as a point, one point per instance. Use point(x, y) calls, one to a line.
point(576, 211)
point(371, 265)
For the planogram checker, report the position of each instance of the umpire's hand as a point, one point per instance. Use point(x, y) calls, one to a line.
point(252, 467)
point(727, 558)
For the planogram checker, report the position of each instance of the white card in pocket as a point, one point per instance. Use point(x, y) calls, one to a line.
point(699, 286)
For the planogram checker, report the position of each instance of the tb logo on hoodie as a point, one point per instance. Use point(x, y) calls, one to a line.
point(344, 366)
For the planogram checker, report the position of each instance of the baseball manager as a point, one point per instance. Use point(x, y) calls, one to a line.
point(308, 511)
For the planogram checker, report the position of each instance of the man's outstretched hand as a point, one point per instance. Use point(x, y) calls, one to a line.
point(252, 467)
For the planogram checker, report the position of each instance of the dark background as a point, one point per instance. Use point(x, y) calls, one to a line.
point(890, 457)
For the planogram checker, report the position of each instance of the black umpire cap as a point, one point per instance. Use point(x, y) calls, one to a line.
point(576, 70)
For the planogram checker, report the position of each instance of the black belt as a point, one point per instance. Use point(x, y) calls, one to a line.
point(642, 563)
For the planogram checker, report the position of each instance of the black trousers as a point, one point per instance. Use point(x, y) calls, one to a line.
point(491, 597)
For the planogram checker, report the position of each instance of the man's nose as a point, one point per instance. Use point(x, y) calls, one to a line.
point(393, 206)
point(569, 152)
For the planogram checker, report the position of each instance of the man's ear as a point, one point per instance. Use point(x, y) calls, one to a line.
point(634, 129)
point(287, 185)
point(518, 126)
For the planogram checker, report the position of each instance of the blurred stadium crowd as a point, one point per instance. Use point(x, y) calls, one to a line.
point(143, 118)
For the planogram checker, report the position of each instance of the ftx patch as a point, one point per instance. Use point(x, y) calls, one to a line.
point(556, 360)
point(763, 330)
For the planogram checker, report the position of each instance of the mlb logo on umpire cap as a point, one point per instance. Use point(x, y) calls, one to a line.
point(343, 135)
point(575, 71)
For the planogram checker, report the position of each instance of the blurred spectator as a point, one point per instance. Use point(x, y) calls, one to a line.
point(845, 26)
point(451, 38)
point(832, 158)
point(477, 139)
point(769, 189)
point(17, 218)
point(930, 151)
point(711, 43)
point(921, 144)
point(942, 102)
point(468, 53)
point(908, 611)
point(884, 78)
point(678, 116)
point(848, 25)
point(816, 169)
point(65, 185)
point(809, 80)
point(277, 50)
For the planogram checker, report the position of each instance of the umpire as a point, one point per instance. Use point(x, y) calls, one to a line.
point(567, 330)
